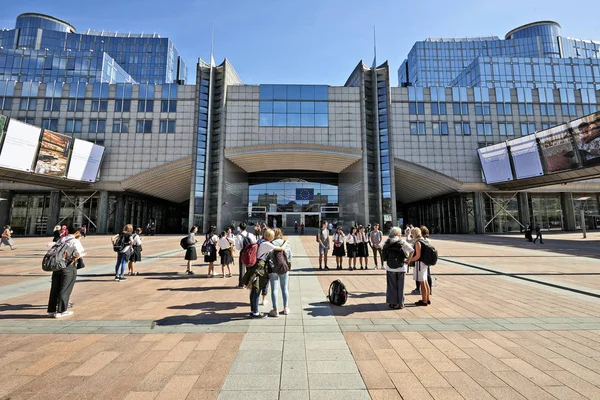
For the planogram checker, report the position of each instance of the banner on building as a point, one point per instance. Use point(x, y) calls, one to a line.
point(3, 121)
point(586, 132)
point(526, 157)
point(53, 156)
point(305, 194)
point(495, 163)
point(19, 149)
point(557, 149)
point(85, 161)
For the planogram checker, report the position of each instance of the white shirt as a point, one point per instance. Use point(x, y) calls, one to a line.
point(137, 240)
point(351, 239)
point(264, 249)
point(338, 238)
point(79, 250)
point(239, 239)
point(361, 238)
point(224, 243)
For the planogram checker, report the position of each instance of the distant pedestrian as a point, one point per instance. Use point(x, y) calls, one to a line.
point(363, 247)
point(83, 231)
point(64, 231)
point(295, 226)
point(56, 233)
point(339, 252)
point(226, 253)
point(376, 240)
point(123, 245)
point(420, 270)
point(323, 240)
point(210, 245)
point(136, 255)
point(427, 239)
point(351, 248)
point(63, 280)
point(302, 228)
point(330, 228)
point(7, 238)
point(395, 253)
point(190, 252)
point(538, 234)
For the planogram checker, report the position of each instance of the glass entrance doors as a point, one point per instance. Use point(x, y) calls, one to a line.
point(287, 220)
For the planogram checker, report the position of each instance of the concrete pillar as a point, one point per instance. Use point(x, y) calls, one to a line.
point(462, 215)
point(102, 220)
point(5, 206)
point(53, 211)
point(568, 212)
point(120, 214)
point(523, 204)
point(479, 209)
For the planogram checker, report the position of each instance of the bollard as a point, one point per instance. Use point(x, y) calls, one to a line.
point(583, 223)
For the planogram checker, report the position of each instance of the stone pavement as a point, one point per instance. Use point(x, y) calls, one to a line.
point(508, 320)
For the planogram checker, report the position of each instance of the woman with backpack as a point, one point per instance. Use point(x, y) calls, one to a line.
point(425, 233)
point(338, 247)
point(209, 249)
point(226, 253)
point(420, 270)
point(282, 278)
point(190, 251)
point(122, 245)
point(394, 254)
point(136, 255)
point(362, 247)
point(351, 248)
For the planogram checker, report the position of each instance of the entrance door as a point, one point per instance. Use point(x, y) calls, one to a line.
point(311, 220)
point(291, 218)
point(271, 217)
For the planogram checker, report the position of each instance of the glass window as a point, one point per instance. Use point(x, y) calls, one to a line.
point(266, 106)
point(50, 124)
point(307, 92)
point(294, 106)
point(293, 92)
point(279, 107)
point(279, 120)
point(307, 119)
point(321, 92)
point(484, 129)
point(266, 120)
point(321, 107)
point(506, 129)
point(143, 126)
point(307, 107)
point(280, 92)
point(417, 128)
point(266, 92)
point(294, 119)
point(120, 126)
point(320, 120)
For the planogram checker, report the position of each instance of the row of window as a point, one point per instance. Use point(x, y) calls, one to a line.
point(482, 128)
point(53, 104)
point(418, 108)
point(99, 125)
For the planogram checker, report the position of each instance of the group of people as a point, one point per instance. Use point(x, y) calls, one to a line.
point(355, 245)
point(128, 246)
point(212, 245)
point(538, 234)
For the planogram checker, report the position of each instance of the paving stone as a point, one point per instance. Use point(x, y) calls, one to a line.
point(335, 381)
point(331, 367)
point(337, 394)
point(249, 395)
point(294, 375)
point(256, 382)
point(252, 367)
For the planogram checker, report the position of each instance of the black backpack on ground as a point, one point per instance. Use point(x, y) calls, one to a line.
point(338, 294)
point(429, 254)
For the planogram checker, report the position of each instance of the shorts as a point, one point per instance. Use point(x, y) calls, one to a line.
point(420, 272)
point(323, 250)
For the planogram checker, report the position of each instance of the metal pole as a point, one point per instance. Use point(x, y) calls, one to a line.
point(582, 214)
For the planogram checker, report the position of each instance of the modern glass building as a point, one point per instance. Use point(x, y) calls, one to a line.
point(219, 152)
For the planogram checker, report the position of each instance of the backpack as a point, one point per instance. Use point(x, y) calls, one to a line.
point(280, 264)
point(118, 243)
point(337, 293)
point(184, 242)
point(249, 252)
point(429, 254)
point(208, 246)
point(393, 256)
point(59, 256)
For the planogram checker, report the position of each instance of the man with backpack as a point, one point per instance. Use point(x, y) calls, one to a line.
point(62, 259)
point(323, 240)
point(242, 241)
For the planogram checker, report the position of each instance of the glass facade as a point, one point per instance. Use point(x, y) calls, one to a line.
point(294, 105)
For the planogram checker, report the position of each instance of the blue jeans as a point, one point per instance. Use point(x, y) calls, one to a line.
point(121, 265)
point(283, 283)
point(254, 295)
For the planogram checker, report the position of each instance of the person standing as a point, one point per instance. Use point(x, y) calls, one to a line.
point(420, 270)
point(330, 228)
point(395, 250)
point(426, 239)
point(363, 247)
point(225, 252)
point(295, 226)
point(538, 233)
point(210, 256)
point(7, 238)
point(190, 252)
point(323, 240)
point(351, 248)
point(338, 247)
point(376, 239)
point(274, 223)
point(84, 231)
point(231, 238)
point(282, 279)
point(302, 228)
point(136, 255)
point(239, 246)
point(63, 280)
point(124, 241)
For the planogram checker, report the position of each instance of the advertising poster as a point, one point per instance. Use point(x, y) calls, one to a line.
point(526, 157)
point(495, 163)
point(53, 155)
point(586, 132)
point(20, 146)
point(557, 149)
point(85, 161)
point(3, 120)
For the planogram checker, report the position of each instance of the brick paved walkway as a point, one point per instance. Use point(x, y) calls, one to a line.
point(509, 320)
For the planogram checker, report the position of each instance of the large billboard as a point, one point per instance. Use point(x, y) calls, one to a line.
point(557, 149)
point(496, 163)
point(526, 157)
point(586, 132)
point(85, 161)
point(53, 156)
point(20, 146)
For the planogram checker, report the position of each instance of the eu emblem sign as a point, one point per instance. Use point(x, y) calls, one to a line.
point(305, 194)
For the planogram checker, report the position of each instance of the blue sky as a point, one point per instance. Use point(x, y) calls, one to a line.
point(308, 41)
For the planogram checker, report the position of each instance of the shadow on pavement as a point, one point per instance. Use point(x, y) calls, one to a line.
point(21, 307)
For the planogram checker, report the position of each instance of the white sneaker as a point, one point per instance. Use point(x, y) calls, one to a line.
point(51, 314)
point(286, 311)
point(63, 314)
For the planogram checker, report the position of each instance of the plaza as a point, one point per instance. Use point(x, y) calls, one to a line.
point(508, 319)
